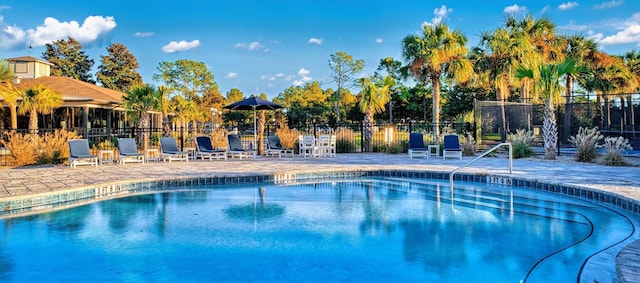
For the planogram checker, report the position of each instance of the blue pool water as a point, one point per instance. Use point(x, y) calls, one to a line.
point(364, 230)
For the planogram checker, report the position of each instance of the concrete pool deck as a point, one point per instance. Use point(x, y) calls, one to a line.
point(624, 181)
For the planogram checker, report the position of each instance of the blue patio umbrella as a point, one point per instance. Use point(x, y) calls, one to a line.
point(253, 103)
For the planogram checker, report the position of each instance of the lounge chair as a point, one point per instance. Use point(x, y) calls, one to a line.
point(169, 150)
point(128, 151)
point(79, 153)
point(274, 147)
point(204, 149)
point(451, 147)
point(416, 146)
point(236, 149)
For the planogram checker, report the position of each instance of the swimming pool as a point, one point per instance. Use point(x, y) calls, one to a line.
point(363, 229)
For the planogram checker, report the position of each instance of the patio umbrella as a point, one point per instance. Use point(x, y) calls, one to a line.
point(253, 103)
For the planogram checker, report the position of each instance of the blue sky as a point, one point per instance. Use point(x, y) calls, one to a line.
point(267, 46)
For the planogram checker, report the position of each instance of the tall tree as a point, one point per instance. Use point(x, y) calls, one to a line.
point(434, 53)
point(118, 69)
point(547, 85)
point(580, 49)
point(632, 60)
point(139, 101)
point(375, 94)
point(343, 68)
point(7, 91)
point(187, 78)
point(69, 60)
point(36, 100)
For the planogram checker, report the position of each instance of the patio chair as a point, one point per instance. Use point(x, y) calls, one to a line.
point(274, 147)
point(169, 150)
point(79, 153)
point(416, 146)
point(128, 151)
point(326, 146)
point(204, 149)
point(451, 147)
point(307, 146)
point(236, 149)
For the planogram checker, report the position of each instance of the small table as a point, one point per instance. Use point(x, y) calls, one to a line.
point(191, 151)
point(105, 155)
point(430, 149)
point(152, 154)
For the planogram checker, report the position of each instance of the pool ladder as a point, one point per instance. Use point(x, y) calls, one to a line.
point(477, 158)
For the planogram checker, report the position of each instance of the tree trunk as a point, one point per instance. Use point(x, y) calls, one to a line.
point(568, 109)
point(436, 106)
point(14, 117)
point(262, 121)
point(166, 126)
point(33, 122)
point(368, 131)
point(549, 131)
point(607, 115)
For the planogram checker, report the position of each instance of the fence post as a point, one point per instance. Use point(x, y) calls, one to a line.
point(181, 137)
point(361, 136)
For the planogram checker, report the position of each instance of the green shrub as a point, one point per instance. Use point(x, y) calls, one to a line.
point(586, 143)
point(521, 142)
point(613, 151)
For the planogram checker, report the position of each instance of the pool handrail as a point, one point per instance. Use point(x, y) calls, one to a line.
point(482, 155)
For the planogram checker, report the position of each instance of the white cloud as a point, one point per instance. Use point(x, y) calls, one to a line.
point(5, 7)
point(179, 46)
point(252, 46)
point(92, 30)
point(608, 4)
point(143, 34)
point(231, 75)
point(378, 40)
point(568, 5)
point(440, 14)
point(513, 9)
point(304, 77)
point(628, 32)
point(545, 9)
point(573, 27)
point(314, 40)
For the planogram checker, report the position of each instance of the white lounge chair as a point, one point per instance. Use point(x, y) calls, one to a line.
point(79, 153)
point(416, 146)
point(128, 151)
point(274, 147)
point(452, 147)
point(236, 149)
point(204, 149)
point(169, 150)
point(307, 146)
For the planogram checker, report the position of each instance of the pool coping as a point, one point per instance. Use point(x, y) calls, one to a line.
point(626, 264)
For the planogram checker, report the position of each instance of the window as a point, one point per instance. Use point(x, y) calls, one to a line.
point(21, 67)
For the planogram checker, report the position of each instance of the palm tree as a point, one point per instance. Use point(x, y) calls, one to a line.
point(139, 101)
point(434, 53)
point(38, 99)
point(632, 60)
point(7, 91)
point(547, 85)
point(165, 105)
point(11, 96)
point(580, 49)
point(375, 94)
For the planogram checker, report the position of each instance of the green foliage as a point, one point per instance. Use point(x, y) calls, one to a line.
point(586, 143)
point(186, 78)
point(521, 142)
point(118, 69)
point(614, 147)
point(69, 60)
point(155, 139)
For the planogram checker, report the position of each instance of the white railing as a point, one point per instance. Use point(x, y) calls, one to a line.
point(482, 155)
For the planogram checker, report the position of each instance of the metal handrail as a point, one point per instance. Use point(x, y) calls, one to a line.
point(482, 155)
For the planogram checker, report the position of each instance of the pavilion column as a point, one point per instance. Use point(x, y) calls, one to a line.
point(85, 121)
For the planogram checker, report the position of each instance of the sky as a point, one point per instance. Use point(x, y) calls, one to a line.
point(265, 47)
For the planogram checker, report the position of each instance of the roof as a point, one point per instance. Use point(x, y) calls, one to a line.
point(75, 90)
point(28, 59)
